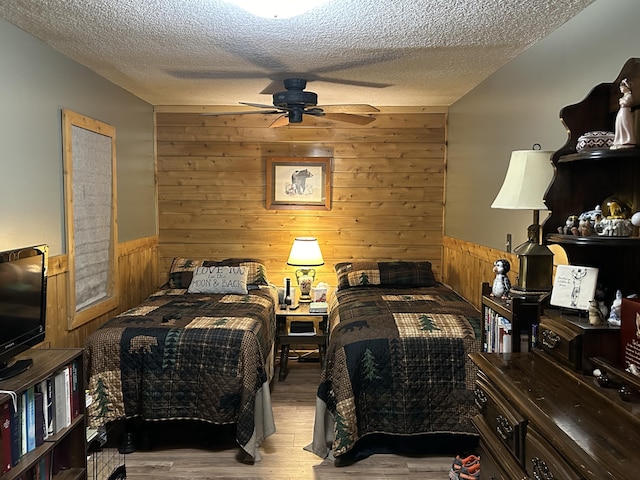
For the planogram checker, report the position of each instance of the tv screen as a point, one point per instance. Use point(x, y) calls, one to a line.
point(23, 280)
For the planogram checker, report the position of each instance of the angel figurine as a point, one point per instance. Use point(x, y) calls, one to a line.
point(624, 135)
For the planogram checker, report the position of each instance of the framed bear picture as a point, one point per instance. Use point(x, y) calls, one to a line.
point(300, 183)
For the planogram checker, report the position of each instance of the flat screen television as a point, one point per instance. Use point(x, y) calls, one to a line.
point(23, 305)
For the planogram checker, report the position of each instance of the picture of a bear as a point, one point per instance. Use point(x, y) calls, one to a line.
point(299, 180)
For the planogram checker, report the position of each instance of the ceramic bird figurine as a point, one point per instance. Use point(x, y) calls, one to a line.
point(501, 284)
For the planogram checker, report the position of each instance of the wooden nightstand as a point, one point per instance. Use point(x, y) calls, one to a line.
point(284, 339)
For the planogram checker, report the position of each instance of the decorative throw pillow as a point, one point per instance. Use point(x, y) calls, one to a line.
point(392, 274)
point(219, 279)
point(181, 271)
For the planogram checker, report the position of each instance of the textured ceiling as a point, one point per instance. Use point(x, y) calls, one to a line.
point(208, 52)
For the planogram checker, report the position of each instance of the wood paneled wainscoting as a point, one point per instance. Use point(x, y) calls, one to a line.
point(387, 187)
point(138, 278)
point(466, 265)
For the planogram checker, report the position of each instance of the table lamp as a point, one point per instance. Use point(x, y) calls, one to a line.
point(305, 253)
point(528, 177)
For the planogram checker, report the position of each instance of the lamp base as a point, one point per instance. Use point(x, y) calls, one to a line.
point(305, 278)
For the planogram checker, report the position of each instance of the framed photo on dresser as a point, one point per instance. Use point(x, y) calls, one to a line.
point(574, 287)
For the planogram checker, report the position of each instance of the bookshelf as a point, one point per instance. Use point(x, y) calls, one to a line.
point(518, 315)
point(62, 454)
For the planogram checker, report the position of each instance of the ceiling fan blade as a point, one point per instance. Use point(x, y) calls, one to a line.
point(346, 117)
point(281, 121)
point(349, 108)
point(240, 112)
point(257, 105)
point(274, 86)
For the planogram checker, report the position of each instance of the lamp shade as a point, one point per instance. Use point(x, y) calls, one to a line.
point(305, 252)
point(528, 177)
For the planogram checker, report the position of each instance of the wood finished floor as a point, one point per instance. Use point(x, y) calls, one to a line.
point(283, 457)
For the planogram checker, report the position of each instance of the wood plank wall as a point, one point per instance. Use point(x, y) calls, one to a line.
point(138, 276)
point(467, 265)
point(387, 200)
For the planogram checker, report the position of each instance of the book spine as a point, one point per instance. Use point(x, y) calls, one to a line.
point(61, 400)
point(23, 422)
point(41, 388)
point(43, 468)
point(75, 391)
point(15, 434)
point(67, 393)
point(39, 420)
point(49, 407)
point(31, 419)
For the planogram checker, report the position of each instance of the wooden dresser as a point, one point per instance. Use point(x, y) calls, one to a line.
point(541, 420)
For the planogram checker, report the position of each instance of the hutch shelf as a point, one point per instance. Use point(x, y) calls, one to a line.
point(587, 179)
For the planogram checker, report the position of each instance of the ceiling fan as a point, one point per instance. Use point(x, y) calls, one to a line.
point(294, 102)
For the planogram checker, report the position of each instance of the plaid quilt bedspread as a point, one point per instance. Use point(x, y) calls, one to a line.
point(187, 356)
point(397, 363)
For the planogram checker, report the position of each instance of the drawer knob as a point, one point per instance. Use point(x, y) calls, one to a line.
point(504, 428)
point(626, 394)
point(541, 470)
point(550, 339)
point(480, 399)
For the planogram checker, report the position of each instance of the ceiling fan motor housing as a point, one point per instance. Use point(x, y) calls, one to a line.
point(295, 99)
point(292, 98)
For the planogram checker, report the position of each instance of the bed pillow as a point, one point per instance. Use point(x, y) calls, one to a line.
point(219, 279)
point(181, 271)
point(393, 274)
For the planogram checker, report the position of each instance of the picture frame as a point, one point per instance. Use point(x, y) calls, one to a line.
point(298, 183)
point(574, 287)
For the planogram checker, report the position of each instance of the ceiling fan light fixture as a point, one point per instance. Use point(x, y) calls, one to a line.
point(295, 115)
point(277, 9)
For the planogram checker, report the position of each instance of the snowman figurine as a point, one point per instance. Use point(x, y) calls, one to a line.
point(501, 284)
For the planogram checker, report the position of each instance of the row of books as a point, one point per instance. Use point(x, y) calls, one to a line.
point(37, 413)
point(40, 471)
point(497, 332)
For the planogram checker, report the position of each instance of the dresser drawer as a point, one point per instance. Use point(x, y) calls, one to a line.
point(506, 424)
point(561, 342)
point(571, 340)
point(497, 463)
point(543, 462)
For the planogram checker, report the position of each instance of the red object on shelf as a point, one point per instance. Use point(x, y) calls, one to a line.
point(630, 333)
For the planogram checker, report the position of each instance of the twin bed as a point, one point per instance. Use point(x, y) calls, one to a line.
point(396, 365)
point(200, 349)
point(397, 373)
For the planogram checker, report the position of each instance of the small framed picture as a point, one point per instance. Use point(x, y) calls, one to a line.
point(298, 183)
point(574, 286)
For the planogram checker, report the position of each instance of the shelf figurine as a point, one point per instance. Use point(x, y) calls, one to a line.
point(615, 316)
point(624, 134)
point(595, 314)
point(501, 284)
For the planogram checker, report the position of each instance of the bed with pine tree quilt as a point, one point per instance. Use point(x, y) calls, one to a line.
point(200, 349)
point(397, 375)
